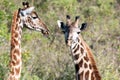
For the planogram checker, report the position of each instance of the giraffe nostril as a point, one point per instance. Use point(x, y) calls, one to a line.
point(45, 32)
point(33, 27)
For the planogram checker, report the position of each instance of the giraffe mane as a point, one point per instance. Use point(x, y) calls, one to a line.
point(14, 19)
point(13, 28)
point(91, 58)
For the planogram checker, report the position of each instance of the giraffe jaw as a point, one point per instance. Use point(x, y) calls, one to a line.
point(42, 30)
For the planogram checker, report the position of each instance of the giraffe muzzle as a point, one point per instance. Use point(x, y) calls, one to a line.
point(45, 33)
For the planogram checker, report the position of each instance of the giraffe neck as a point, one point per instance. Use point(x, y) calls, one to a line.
point(15, 53)
point(85, 65)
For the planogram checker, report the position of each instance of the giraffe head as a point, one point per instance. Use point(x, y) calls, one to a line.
point(30, 19)
point(71, 30)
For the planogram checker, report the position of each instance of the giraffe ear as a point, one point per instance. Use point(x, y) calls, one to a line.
point(60, 24)
point(20, 12)
point(83, 26)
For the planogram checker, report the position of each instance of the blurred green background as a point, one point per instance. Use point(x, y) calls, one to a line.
point(50, 59)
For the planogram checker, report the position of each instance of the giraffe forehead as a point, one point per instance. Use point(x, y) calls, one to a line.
point(28, 10)
point(34, 14)
point(72, 26)
point(74, 29)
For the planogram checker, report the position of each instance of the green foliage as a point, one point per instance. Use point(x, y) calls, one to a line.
point(2, 72)
point(50, 59)
point(4, 61)
point(5, 18)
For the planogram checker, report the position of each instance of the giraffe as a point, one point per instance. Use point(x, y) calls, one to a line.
point(85, 65)
point(25, 17)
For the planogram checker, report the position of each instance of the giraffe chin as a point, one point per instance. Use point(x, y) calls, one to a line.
point(45, 33)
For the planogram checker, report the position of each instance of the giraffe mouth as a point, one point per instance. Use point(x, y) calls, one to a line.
point(43, 31)
point(39, 29)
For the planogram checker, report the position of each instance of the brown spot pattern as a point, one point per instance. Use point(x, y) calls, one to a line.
point(90, 66)
point(12, 46)
point(16, 34)
point(85, 65)
point(13, 63)
point(16, 51)
point(86, 58)
point(76, 57)
point(82, 50)
point(81, 75)
point(87, 75)
point(81, 44)
point(76, 49)
point(81, 63)
point(12, 71)
point(92, 76)
point(15, 57)
point(74, 46)
point(18, 62)
point(17, 70)
point(15, 41)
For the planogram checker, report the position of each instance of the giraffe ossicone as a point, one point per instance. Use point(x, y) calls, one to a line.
point(85, 66)
point(25, 17)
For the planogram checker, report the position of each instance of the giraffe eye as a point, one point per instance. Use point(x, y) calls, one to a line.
point(34, 17)
point(78, 32)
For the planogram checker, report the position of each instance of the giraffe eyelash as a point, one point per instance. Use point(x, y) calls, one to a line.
point(35, 17)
